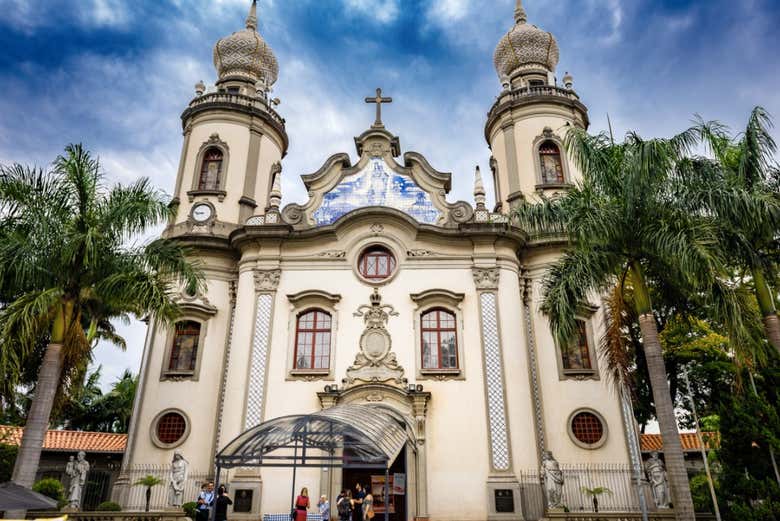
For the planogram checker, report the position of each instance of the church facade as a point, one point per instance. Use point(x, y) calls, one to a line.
point(378, 291)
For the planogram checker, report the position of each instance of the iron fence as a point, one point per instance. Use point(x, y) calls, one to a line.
point(136, 494)
point(619, 493)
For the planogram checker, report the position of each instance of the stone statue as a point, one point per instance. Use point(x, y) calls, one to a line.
point(656, 474)
point(178, 479)
point(553, 481)
point(77, 471)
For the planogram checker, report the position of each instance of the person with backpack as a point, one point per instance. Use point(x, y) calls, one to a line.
point(344, 506)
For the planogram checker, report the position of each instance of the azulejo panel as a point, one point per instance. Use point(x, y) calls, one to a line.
point(377, 185)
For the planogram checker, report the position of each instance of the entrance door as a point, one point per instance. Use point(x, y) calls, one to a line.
point(373, 481)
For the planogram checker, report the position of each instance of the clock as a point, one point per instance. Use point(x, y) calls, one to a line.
point(202, 212)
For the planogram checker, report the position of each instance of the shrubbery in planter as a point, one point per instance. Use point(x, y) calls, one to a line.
point(50, 487)
point(190, 509)
point(108, 506)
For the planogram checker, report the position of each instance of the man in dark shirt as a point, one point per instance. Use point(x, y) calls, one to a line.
point(360, 495)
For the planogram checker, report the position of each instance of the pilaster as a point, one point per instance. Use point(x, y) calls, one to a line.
point(503, 488)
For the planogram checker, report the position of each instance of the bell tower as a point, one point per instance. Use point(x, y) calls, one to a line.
point(234, 139)
point(527, 123)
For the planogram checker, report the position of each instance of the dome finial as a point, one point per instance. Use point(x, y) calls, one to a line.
point(251, 19)
point(520, 16)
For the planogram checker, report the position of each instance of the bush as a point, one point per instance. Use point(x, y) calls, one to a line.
point(50, 487)
point(108, 506)
point(7, 460)
point(189, 509)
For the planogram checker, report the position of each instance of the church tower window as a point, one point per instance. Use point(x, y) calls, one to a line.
point(376, 263)
point(211, 170)
point(587, 429)
point(439, 340)
point(577, 356)
point(184, 352)
point(312, 340)
point(551, 163)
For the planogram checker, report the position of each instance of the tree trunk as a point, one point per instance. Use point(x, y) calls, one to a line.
point(766, 303)
point(664, 411)
point(26, 466)
point(148, 497)
point(29, 455)
point(664, 408)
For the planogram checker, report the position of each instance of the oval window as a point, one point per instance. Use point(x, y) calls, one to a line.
point(587, 428)
point(171, 427)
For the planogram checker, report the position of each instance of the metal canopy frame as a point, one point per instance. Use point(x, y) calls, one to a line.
point(344, 436)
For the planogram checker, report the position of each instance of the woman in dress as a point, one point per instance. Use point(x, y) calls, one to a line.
point(368, 507)
point(302, 505)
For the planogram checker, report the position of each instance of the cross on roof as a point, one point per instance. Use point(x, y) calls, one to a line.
point(379, 100)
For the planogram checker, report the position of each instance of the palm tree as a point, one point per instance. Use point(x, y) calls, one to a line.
point(148, 481)
point(745, 199)
point(594, 494)
point(67, 266)
point(624, 223)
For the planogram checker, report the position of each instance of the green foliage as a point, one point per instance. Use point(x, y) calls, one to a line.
point(108, 506)
point(67, 252)
point(50, 487)
point(190, 509)
point(148, 481)
point(7, 460)
point(700, 492)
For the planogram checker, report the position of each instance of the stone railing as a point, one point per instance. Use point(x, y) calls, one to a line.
point(543, 90)
point(111, 516)
point(226, 98)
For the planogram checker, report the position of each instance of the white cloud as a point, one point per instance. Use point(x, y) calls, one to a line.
point(104, 13)
point(447, 11)
point(383, 11)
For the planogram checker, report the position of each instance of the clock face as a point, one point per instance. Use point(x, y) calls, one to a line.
point(201, 212)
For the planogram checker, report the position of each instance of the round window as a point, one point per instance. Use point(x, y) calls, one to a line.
point(171, 428)
point(588, 429)
point(376, 263)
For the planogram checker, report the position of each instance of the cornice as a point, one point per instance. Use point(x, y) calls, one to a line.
point(501, 107)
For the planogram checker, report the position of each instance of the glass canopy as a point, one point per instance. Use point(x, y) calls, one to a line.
point(351, 436)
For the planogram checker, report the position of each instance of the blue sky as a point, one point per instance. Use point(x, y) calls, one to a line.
point(116, 75)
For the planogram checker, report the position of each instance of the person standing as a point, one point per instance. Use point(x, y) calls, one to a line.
point(205, 502)
point(302, 505)
point(357, 502)
point(344, 506)
point(324, 505)
point(221, 506)
point(368, 507)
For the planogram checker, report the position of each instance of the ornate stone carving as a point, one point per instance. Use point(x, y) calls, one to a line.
point(375, 397)
point(461, 212)
point(375, 362)
point(179, 467)
point(486, 278)
point(420, 253)
point(333, 254)
point(256, 220)
point(293, 214)
point(267, 280)
point(245, 54)
point(656, 474)
point(523, 46)
point(553, 481)
point(377, 228)
point(77, 470)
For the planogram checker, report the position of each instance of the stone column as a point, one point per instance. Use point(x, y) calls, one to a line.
point(420, 409)
point(502, 482)
point(526, 284)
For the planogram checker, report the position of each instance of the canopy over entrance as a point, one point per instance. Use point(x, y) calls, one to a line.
point(353, 436)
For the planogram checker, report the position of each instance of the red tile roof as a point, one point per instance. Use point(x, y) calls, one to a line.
point(70, 441)
point(652, 442)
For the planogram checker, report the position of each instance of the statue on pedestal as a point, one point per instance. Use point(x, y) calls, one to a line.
point(77, 471)
point(553, 481)
point(178, 479)
point(659, 483)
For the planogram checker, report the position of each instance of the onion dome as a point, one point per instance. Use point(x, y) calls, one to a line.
point(525, 47)
point(245, 55)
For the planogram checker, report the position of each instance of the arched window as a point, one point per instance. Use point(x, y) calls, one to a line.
point(184, 352)
point(550, 160)
point(211, 170)
point(312, 340)
point(439, 340)
point(577, 356)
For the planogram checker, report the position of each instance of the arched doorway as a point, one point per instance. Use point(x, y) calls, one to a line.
point(408, 406)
